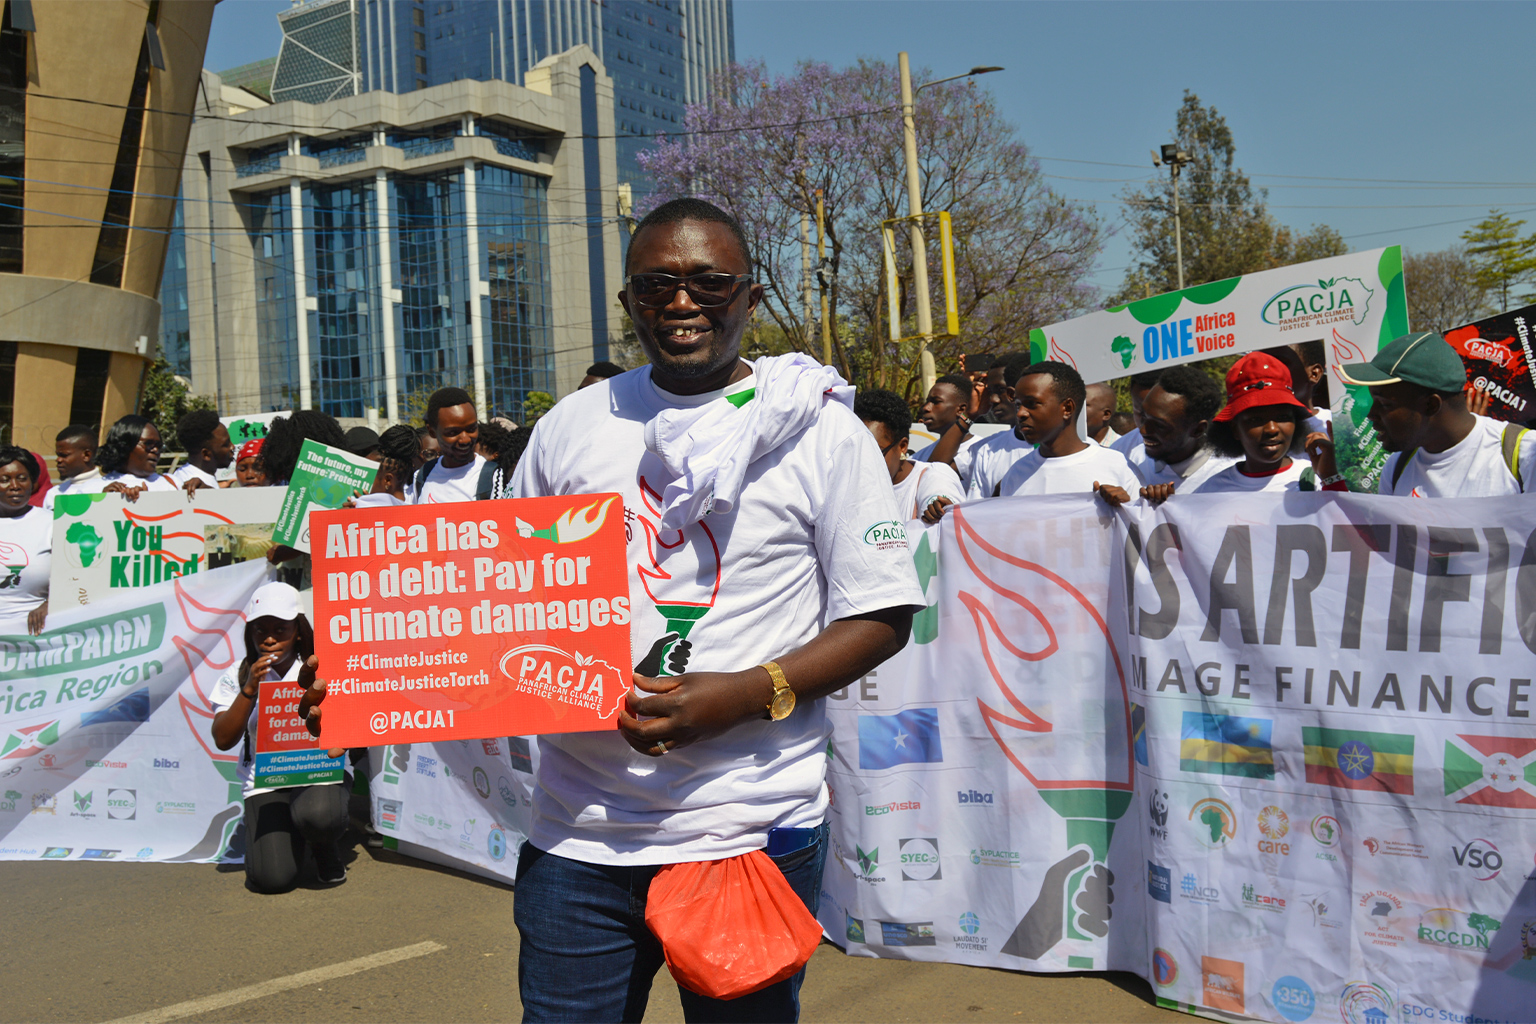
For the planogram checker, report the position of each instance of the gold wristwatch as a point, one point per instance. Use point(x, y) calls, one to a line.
point(783, 697)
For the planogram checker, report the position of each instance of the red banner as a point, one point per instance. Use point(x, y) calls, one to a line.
point(471, 620)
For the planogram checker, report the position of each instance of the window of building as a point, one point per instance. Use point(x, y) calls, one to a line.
point(92, 367)
point(13, 134)
point(277, 338)
point(112, 240)
point(515, 261)
point(420, 64)
point(346, 347)
point(433, 342)
point(418, 17)
point(421, 38)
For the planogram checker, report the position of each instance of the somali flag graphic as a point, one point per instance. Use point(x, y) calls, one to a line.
point(1352, 759)
point(1227, 745)
point(907, 737)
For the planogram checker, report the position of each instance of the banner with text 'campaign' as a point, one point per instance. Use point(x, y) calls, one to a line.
point(107, 753)
point(1274, 755)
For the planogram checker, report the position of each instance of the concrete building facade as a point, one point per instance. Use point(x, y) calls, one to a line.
point(352, 255)
point(661, 54)
point(94, 117)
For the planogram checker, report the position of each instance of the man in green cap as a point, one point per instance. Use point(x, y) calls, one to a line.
point(1440, 449)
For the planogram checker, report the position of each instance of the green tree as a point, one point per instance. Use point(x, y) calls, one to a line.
point(1500, 257)
point(535, 405)
point(1227, 229)
point(167, 398)
point(1443, 290)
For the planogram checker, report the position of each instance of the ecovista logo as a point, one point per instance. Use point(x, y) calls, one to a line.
point(895, 805)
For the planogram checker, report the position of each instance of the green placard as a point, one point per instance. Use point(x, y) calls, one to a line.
point(324, 477)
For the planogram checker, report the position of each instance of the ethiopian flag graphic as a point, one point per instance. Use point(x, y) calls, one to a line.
point(1493, 771)
point(1227, 745)
point(1350, 759)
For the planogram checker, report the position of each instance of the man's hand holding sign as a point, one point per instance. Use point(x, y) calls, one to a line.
point(471, 620)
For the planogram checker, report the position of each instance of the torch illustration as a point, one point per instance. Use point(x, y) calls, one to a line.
point(681, 575)
point(1075, 897)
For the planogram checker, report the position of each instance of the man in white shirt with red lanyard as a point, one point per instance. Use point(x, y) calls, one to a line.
point(1439, 449)
point(758, 510)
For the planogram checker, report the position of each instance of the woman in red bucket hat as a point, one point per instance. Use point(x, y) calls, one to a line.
point(1259, 425)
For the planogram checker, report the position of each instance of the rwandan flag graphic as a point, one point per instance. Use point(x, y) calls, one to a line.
point(1227, 745)
point(1359, 760)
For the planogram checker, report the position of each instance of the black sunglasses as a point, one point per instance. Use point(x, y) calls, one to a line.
point(704, 289)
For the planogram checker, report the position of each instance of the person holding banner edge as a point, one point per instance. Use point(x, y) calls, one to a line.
point(728, 756)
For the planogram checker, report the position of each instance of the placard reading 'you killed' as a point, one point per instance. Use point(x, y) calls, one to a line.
point(472, 620)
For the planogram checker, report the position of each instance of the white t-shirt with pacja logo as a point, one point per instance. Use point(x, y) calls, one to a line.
point(26, 546)
point(1472, 468)
point(815, 537)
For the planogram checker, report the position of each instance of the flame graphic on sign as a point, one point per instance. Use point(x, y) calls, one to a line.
point(1345, 351)
point(574, 525)
point(1061, 355)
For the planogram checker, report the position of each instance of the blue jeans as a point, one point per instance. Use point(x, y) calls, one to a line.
point(587, 955)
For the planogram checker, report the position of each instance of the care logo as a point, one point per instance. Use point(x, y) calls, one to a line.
point(1364, 1003)
point(1274, 824)
point(1215, 824)
point(1329, 300)
point(1455, 929)
point(1481, 858)
point(122, 804)
point(884, 536)
point(1255, 899)
point(919, 860)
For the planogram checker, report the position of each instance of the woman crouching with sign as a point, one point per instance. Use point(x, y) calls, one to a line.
point(293, 795)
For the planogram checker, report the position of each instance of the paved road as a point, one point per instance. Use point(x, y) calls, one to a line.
point(102, 942)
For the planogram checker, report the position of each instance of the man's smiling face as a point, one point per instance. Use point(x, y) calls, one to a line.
point(690, 345)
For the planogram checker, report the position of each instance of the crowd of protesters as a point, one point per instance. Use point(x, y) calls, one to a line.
point(604, 816)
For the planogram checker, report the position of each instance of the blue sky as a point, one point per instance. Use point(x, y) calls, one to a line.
point(1384, 120)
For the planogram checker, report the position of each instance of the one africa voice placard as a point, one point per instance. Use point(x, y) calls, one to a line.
point(471, 620)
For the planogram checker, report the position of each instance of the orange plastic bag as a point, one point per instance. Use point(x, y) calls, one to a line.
point(729, 927)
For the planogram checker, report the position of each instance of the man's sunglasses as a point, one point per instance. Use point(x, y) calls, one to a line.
point(704, 289)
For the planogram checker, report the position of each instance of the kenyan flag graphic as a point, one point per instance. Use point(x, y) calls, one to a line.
point(1493, 771)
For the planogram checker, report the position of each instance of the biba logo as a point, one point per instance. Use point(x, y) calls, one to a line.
point(974, 798)
point(1330, 301)
point(167, 764)
point(886, 535)
point(546, 671)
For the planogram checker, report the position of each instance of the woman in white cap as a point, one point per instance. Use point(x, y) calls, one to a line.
point(279, 647)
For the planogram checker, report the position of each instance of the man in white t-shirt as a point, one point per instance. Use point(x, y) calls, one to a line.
point(208, 446)
point(916, 484)
point(1175, 454)
point(947, 414)
point(1050, 397)
point(455, 476)
point(993, 457)
point(758, 510)
point(1439, 449)
point(1138, 387)
point(1098, 407)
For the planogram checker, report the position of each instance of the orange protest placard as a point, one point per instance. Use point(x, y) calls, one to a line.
point(471, 620)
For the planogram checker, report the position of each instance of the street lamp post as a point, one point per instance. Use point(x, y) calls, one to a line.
point(915, 210)
point(1175, 158)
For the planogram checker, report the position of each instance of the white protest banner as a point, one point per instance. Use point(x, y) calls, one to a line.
point(107, 753)
point(1354, 304)
point(460, 803)
point(1326, 703)
point(105, 546)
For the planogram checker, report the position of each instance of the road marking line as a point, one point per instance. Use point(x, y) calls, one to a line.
point(194, 1007)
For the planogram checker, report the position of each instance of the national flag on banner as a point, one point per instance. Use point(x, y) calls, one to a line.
point(1492, 771)
point(1139, 733)
point(1352, 759)
point(1227, 745)
point(907, 737)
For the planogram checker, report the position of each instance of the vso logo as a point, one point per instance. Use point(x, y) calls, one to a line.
point(1480, 857)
